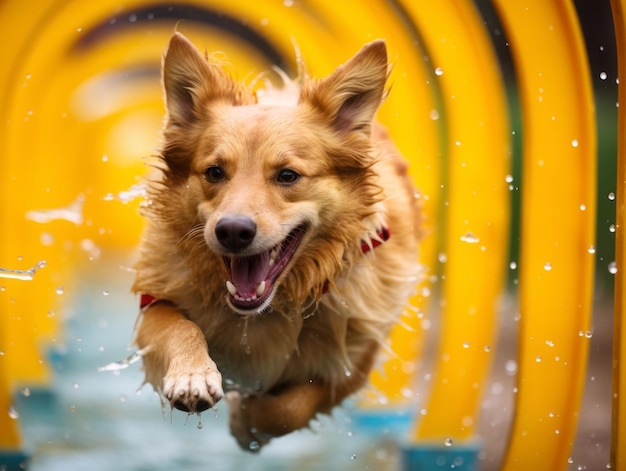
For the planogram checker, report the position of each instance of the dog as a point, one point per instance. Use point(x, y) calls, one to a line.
point(281, 242)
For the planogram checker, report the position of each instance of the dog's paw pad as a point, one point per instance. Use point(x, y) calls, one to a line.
point(193, 392)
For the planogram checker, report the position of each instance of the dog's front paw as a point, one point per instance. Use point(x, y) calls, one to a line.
point(193, 391)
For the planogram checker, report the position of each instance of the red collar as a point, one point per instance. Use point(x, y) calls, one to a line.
point(383, 236)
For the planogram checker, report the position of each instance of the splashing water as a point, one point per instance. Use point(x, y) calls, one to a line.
point(470, 238)
point(22, 274)
point(72, 213)
point(13, 413)
point(135, 191)
point(126, 362)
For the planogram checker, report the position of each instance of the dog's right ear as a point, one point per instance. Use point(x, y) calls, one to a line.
point(190, 82)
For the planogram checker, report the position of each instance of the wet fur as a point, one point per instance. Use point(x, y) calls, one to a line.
point(311, 348)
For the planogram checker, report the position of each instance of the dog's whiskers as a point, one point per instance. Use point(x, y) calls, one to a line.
point(195, 234)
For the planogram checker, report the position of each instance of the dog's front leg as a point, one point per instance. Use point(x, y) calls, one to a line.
point(177, 359)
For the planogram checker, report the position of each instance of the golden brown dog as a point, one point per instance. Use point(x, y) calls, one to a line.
point(281, 244)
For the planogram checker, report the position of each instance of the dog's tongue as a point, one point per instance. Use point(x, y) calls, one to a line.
point(248, 272)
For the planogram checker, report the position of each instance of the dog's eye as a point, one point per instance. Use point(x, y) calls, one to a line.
point(214, 174)
point(287, 177)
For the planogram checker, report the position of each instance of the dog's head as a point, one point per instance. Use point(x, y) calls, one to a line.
point(279, 190)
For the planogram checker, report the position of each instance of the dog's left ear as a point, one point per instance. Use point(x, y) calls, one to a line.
point(351, 95)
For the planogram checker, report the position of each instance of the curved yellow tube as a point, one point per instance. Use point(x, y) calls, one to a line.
point(618, 435)
point(476, 219)
point(558, 214)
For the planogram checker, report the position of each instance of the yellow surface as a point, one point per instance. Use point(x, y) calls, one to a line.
point(76, 122)
point(476, 212)
point(618, 435)
point(558, 217)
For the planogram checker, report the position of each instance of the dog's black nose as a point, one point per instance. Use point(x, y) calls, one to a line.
point(235, 233)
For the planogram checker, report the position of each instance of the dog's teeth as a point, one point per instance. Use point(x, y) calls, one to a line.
point(261, 288)
point(273, 255)
point(231, 288)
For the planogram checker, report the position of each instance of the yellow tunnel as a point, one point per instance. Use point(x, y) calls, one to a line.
point(81, 108)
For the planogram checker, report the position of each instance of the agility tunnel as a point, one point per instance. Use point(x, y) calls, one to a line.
point(494, 105)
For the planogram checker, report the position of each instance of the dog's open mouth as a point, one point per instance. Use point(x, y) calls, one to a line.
point(252, 279)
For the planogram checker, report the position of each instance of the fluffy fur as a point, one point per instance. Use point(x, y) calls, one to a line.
point(253, 248)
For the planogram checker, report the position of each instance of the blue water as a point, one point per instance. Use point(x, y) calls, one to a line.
point(97, 421)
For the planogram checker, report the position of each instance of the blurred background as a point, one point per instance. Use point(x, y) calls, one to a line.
point(81, 108)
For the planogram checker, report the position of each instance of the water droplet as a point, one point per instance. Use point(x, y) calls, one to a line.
point(487, 348)
point(46, 239)
point(612, 228)
point(547, 266)
point(353, 456)
point(583, 207)
point(470, 238)
point(613, 268)
point(588, 334)
point(348, 373)
point(25, 392)
point(508, 179)
point(13, 414)
point(254, 446)
point(60, 290)
point(442, 257)
point(603, 76)
point(439, 71)
point(574, 142)
point(244, 334)
point(466, 345)
point(538, 358)
point(434, 115)
point(448, 442)
point(511, 367)
point(513, 265)
point(611, 196)
point(591, 249)
point(199, 421)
